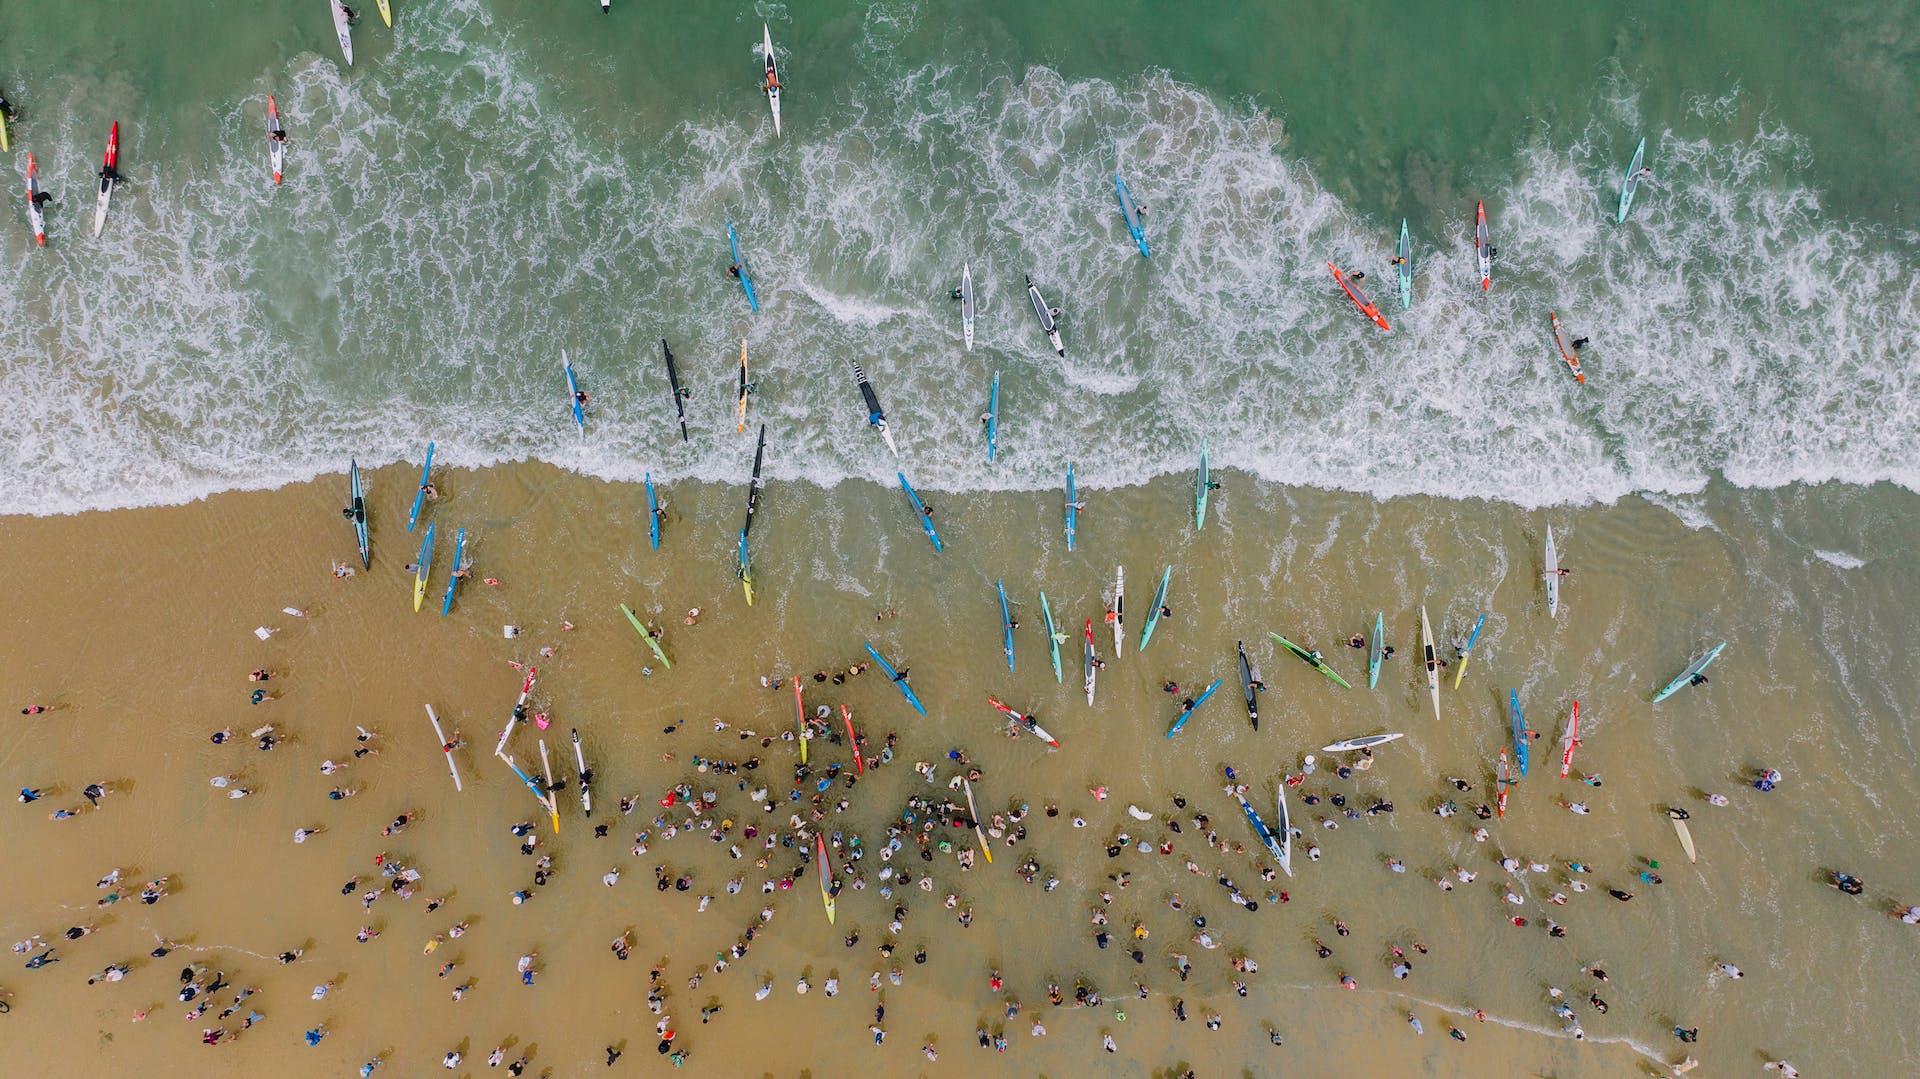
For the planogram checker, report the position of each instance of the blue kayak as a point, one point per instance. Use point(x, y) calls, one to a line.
point(894, 677)
point(993, 417)
point(1073, 515)
point(1187, 713)
point(453, 579)
point(573, 394)
point(1006, 623)
point(746, 277)
point(920, 510)
point(653, 514)
point(1519, 722)
point(1159, 601)
point(1131, 213)
point(420, 496)
point(357, 512)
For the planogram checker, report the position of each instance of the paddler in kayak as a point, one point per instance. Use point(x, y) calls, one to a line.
point(773, 80)
point(40, 200)
point(109, 174)
point(352, 16)
point(6, 110)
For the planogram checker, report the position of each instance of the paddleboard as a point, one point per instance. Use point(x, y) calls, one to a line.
point(553, 803)
point(1267, 838)
point(1286, 830)
point(1159, 601)
point(444, 751)
point(920, 510)
point(1045, 315)
point(1359, 297)
point(1686, 676)
point(745, 570)
point(586, 789)
point(853, 744)
point(1432, 661)
point(876, 417)
point(386, 12)
point(109, 175)
point(1686, 836)
point(740, 418)
point(1502, 783)
point(420, 495)
point(34, 217)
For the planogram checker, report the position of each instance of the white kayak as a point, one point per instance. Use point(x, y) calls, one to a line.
point(276, 147)
point(341, 28)
point(1553, 577)
point(966, 304)
point(1119, 606)
point(772, 76)
point(1363, 742)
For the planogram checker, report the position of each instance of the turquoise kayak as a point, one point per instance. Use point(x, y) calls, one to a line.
point(1519, 722)
point(1006, 623)
point(1159, 601)
point(1072, 513)
point(920, 510)
point(746, 277)
point(1630, 183)
point(453, 579)
point(653, 514)
point(894, 677)
point(1131, 213)
point(1201, 486)
point(1053, 638)
point(1406, 266)
point(1687, 676)
point(993, 417)
point(573, 394)
point(1376, 649)
point(357, 512)
point(1187, 713)
point(420, 496)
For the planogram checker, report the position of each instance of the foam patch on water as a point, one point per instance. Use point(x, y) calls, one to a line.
point(400, 287)
point(1839, 559)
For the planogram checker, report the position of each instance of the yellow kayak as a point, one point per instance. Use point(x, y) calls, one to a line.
point(420, 571)
point(386, 13)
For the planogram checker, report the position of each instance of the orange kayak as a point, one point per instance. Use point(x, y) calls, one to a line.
point(1566, 349)
point(1359, 297)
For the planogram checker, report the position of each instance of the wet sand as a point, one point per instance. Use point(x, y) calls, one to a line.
point(137, 626)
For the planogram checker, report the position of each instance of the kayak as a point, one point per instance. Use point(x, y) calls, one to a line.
point(420, 496)
point(1072, 513)
point(673, 382)
point(1552, 576)
point(1502, 782)
point(1286, 830)
point(1045, 315)
point(573, 394)
point(357, 511)
point(340, 28)
point(920, 510)
point(772, 83)
point(993, 417)
point(386, 16)
point(800, 719)
point(422, 569)
point(513, 720)
point(1089, 662)
point(5, 146)
point(108, 176)
point(740, 416)
point(894, 677)
point(453, 579)
point(966, 304)
point(1460, 671)
point(647, 635)
point(1311, 659)
point(1187, 713)
point(1405, 252)
point(1053, 637)
point(745, 571)
point(1630, 183)
point(853, 743)
point(553, 804)
point(276, 149)
point(653, 514)
point(1131, 213)
point(1246, 686)
point(1519, 722)
point(1687, 675)
point(746, 276)
point(1432, 661)
point(875, 415)
point(1376, 648)
point(1200, 489)
point(444, 750)
point(34, 217)
point(1119, 606)
point(1159, 601)
point(1566, 349)
point(1569, 741)
point(580, 761)
point(1267, 838)
point(1006, 623)
point(1025, 721)
point(979, 833)
point(826, 876)
point(1483, 248)
point(1359, 297)
point(1367, 741)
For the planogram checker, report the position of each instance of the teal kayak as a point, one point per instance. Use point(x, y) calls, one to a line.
point(1131, 213)
point(453, 579)
point(740, 264)
point(1519, 722)
point(573, 394)
point(357, 512)
point(1187, 712)
point(1267, 838)
point(1073, 515)
point(1376, 649)
point(1630, 183)
point(1687, 676)
point(1406, 266)
point(895, 677)
point(1311, 659)
point(653, 514)
point(920, 510)
point(1053, 638)
point(993, 417)
point(1201, 486)
point(1006, 623)
point(1159, 601)
point(420, 496)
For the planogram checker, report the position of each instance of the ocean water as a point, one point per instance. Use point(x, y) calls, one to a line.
point(491, 185)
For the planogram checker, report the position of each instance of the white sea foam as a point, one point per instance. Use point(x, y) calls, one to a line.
point(1839, 559)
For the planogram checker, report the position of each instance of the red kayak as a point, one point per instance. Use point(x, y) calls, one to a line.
point(108, 176)
point(34, 217)
point(1359, 297)
point(853, 740)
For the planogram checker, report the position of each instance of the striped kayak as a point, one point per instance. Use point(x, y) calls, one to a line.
point(1365, 741)
point(1267, 838)
point(1054, 637)
point(1045, 315)
point(341, 29)
point(1024, 721)
point(740, 412)
point(826, 875)
point(920, 510)
point(1405, 254)
point(1187, 713)
point(1006, 623)
point(966, 304)
point(1570, 741)
point(647, 635)
point(1311, 659)
point(1460, 671)
point(459, 567)
point(1359, 297)
point(357, 511)
point(746, 275)
point(420, 496)
point(1687, 676)
point(653, 514)
point(1552, 577)
point(800, 719)
point(1630, 183)
point(1089, 662)
point(1519, 723)
point(973, 811)
point(745, 570)
point(1431, 659)
point(993, 418)
point(1566, 348)
point(1201, 485)
point(1159, 601)
point(1073, 515)
point(1502, 783)
point(894, 677)
point(673, 381)
point(1376, 649)
point(1119, 614)
point(1483, 247)
point(573, 394)
point(1247, 689)
point(1131, 213)
point(421, 569)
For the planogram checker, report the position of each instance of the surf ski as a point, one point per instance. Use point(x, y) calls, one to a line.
point(740, 413)
point(966, 304)
point(1311, 659)
point(899, 680)
point(34, 215)
point(1202, 484)
point(1119, 618)
point(1566, 349)
point(1432, 661)
point(386, 11)
point(853, 743)
point(745, 570)
point(973, 812)
point(586, 776)
point(1679, 819)
point(1692, 672)
point(109, 175)
point(1359, 297)
point(1159, 603)
point(993, 418)
point(1365, 741)
point(1073, 510)
point(1376, 649)
point(1054, 637)
point(653, 514)
point(446, 748)
point(1187, 712)
point(1024, 721)
point(800, 719)
point(1552, 576)
point(420, 496)
point(673, 383)
point(1630, 183)
point(1006, 624)
point(739, 269)
point(1131, 213)
point(772, 83)
point(1460, 670)
point(1089, 662)
point(647, 635)
point(341, 29)
point(826, 874)
point(1570, 741)
point(459, 567)
point(1518, 722)
point(1249, 687)
point(276, 140)
point(574, 395)
point(553, 802)
point(1502, 783)
point(1267, 838)
point(1405, 265)
point(1483, 247)
point(5, 145)
point(421, 569)
point(1045, 315)
point(1286, 829)
point(920, 510)
point(876, 417)
point(357, 511)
